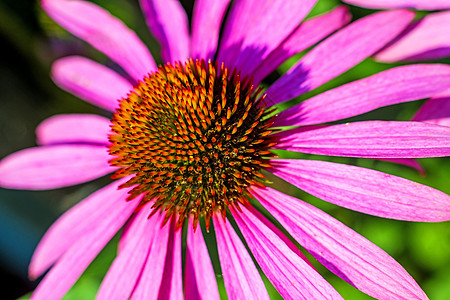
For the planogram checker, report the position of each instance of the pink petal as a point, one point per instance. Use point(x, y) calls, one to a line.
point(104, 32)
point(417, 4)
point(90, 81)
point(172, 280)
point(340, 52)
point(199, 280)
point(241, 278)
point(130, 260)
point(109, 216)
point(291, 276)
point(148, 286)
point(127, 234)
point(397, 85)
point(126, 237)
point(435, 110)
point(168, 22)
point(283, 237)
point(56, 166)
point(371, 139)
point(340, 249)
point(250, 34)
point(206, 22)
point(73, 128)
point(365, 190)
point(426, 39)
point(74, 224)
point(307, 34)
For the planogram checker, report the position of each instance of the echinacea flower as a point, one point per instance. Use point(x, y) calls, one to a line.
point(190, 141)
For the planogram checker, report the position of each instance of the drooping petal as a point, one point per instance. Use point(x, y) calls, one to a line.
point(172, 279)
point(250, 34)
point(435, 110)
point(343, 251)
point(104, 32)
point(148, 286)
point(241, 278)
point(90, 81)
point(307, 34)
point(52, 167)
point(340, 52)
point(416, 4)
point(73, 128)
point(199, 280)
point(397, 85)
point(74, 224)
point(89, 242)
point(371, 139)
point(365, 190)
point(291, 276)
point(130, 259)
point(168, 22)
point(426, 39)
point(206, 22)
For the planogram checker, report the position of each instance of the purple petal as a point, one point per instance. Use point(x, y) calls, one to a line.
point(130, 260)
point(340, 52)
point(168, 22)
point(250, 34)
point(199, 280)
point(172, 280)
point(365, 190)
point(425, 39)
point(340, 249)
point(74, 224)
point(283, 237)
point(104, 32)
point(56, 166)
point(90, 81)
point(73, 128)
point(371, 139)
point(435, 110)
point(416, 4)
point(397, 85)
point(241, 278)
point(307, 34)
point(109, 213)
point(152, 274)
point(206, 22)
point(291, 276)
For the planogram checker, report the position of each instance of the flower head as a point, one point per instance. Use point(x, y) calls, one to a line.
point(190, 140)
point(195, 137)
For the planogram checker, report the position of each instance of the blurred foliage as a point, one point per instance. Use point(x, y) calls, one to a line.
point(31, 41)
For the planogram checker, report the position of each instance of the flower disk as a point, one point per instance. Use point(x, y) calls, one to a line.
point(195, 137)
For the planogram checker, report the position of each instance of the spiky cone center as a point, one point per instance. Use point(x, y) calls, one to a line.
point(195, 137)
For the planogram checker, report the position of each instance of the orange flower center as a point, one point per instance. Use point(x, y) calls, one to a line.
point(194, 137)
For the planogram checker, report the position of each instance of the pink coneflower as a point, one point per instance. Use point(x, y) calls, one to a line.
point(191, 141)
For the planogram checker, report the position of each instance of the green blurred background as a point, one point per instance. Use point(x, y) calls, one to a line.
point(31, 42)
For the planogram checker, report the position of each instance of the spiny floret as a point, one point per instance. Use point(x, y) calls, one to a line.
point(195, 137)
